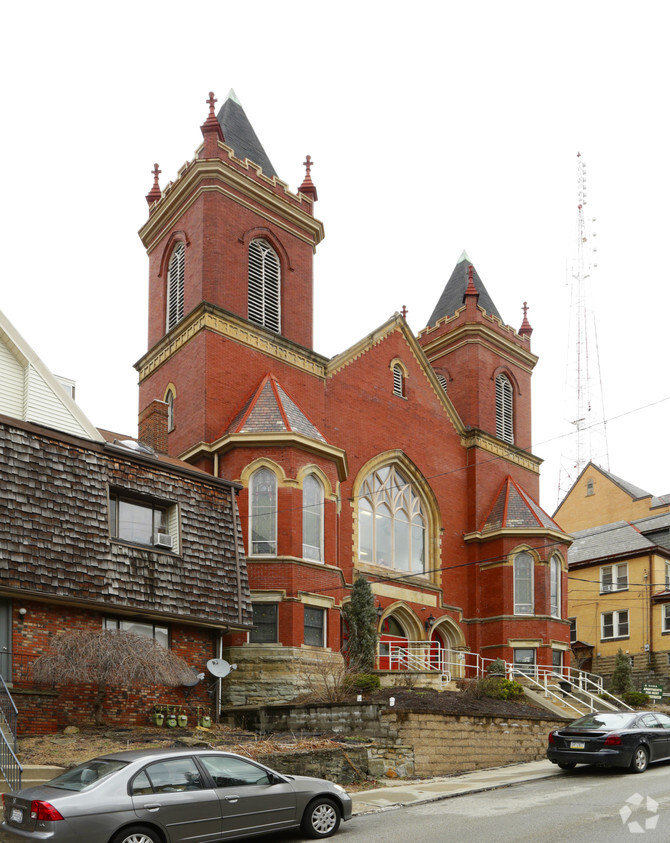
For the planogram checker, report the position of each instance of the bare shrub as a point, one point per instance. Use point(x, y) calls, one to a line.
point(108, 657)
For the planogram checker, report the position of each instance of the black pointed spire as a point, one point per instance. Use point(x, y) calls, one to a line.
point(239, 134)
point(453, 295)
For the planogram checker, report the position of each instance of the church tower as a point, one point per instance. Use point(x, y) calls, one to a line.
point(230, 258)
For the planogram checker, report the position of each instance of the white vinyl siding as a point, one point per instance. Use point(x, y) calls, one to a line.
point(12, 380)
point(504, 409)
point(46, 405)
point(264, 285)
point(175, 287)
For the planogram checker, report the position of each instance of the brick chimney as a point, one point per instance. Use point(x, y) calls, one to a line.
point(153, 426)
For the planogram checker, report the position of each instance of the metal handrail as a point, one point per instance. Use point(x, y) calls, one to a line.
point(10, 766)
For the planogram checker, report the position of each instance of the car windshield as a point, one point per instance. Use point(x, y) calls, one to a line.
point(86, 775)
point(604, 720)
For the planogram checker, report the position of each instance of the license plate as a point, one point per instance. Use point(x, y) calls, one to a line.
point(16, 815)
point(577, 744)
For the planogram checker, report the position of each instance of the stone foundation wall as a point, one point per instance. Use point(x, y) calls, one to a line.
point(343, 765)
point(647, 667)
point(272, 673)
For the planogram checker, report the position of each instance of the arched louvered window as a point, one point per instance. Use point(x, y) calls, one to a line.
point(263, 513)
point(175, 287)
point(391, 522)
point(504, 409)
point(443, 382)
point(398, 381)
point(264, 285)
point(312, 519)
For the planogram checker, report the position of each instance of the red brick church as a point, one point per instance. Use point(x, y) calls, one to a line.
point(404, 459)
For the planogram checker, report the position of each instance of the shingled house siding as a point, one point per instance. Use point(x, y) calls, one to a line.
point(55, 549)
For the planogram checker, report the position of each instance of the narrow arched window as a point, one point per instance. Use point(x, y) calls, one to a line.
point(504, 409)
point(263, 513)
point(443, 382)
point(523, 584)
point(391, 522)
point(555, 586)
point(264, 285)
point(312, 519)
point(169, 400)
point(398, 381)
point(175, 287)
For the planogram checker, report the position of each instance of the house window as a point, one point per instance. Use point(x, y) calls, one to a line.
point(557, 660)
point(573, 630)
point(144, 522)
point(264, 285)
point(504, 409)
point(391, 522)
point(555, 589)
point(614, 625)
point(159, 634)
point(175, 287)
point(398, 381)
point(666, 621)
point(312, 519)
point(524, 660)
point(614, 578)
point(667, 574)
point(169, 400)
point(523, 584)
point(265, 623)
point(263, 512)
point(315, 626)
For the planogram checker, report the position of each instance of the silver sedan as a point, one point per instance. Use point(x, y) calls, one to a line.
point(172, 796)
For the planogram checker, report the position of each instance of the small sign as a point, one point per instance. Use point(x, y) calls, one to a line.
point(654, 692)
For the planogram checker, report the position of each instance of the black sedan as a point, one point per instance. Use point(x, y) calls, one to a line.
point(630, 739)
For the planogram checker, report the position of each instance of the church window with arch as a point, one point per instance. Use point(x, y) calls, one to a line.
point(263, 513)
point(555, 585)
point(398, 381)
point(312, 519)
point(391, 522)
point(504, 409)
point(175, 287)
point(264, 285)
point(523, 584)
point(169, 400)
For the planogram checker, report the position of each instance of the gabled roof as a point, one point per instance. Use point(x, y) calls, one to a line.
point(270, 410)
point(31, 393)
point(608, 540)
point(240, 135)
point(452, 298)
point(514, 509)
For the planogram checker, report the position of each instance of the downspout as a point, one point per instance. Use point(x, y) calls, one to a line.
point(651, 613)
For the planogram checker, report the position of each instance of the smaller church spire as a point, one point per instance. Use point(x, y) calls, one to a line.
point(307, 187)
point(155, 193)
point(525, 330)
point(211, 130)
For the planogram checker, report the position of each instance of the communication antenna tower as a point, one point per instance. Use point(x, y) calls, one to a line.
point(583, 383)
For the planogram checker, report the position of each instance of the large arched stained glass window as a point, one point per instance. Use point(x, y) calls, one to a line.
point(391, 522)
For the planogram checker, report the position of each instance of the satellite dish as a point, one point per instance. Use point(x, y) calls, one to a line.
point(220, 667)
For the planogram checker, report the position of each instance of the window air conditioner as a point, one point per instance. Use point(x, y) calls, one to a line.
point(163, 540)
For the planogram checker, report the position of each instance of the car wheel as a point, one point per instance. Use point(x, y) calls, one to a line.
point(321, 818)
point(640, 760)
point(137, 834)
point(567, 765)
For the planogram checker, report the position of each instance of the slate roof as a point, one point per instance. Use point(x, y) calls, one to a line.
point(271, 410)
point(239, 133)
point(514, 509)
point(615, 539)
point(452, 297)
point(55, 531)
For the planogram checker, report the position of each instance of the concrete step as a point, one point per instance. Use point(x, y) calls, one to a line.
point(34, 774)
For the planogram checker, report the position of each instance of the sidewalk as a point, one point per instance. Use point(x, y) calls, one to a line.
point(397, 794)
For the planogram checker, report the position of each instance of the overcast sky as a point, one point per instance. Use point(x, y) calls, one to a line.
point(434, 127)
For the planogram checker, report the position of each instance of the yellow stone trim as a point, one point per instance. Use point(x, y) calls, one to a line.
point(181, 195)
point(169, 388)
point(482, 335)
point(314, 469)
point(407, 595)
point(209, 317)
point(525, 642)
point(507, 532)
point(559, 645)
point(268, 596)
point(274, 467)
point(310, 599)
point(489, 444)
